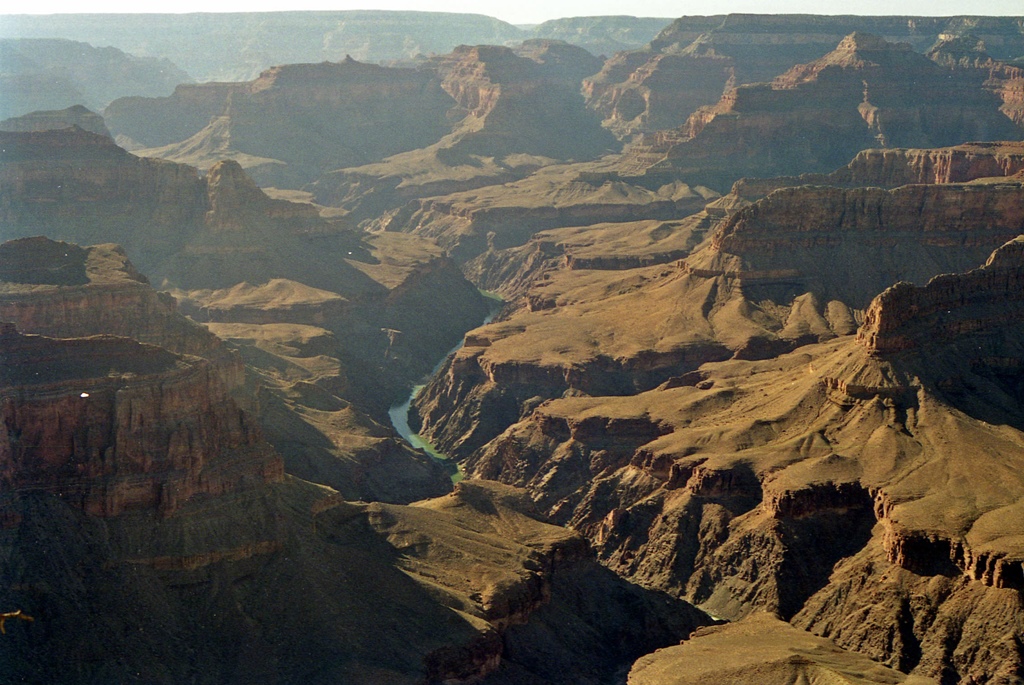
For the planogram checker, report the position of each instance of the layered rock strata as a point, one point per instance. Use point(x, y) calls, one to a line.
point(111, 425)
point(741, 485)
point(75, 185)
point(798, 266)
point(639, 92)
point(903, 316)
point(866, 93)
point(63, 290)
point(498, 217)
point(381, 110)
point(605, 246)
point(708, 55)
point(516, 110)
point(850, 243)
point(893, 168)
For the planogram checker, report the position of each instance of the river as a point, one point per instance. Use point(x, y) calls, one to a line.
point(399, 413)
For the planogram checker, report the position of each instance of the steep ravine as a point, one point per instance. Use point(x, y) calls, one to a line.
point(399, 413)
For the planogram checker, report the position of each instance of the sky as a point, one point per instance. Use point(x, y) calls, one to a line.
point(536, 11)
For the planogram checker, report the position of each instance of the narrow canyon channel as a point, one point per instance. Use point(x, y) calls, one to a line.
point(399, 413)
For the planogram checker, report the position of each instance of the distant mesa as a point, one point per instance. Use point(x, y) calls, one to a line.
point(76, 115)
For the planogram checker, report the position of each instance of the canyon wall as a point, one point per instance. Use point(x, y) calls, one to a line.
point(865, 93)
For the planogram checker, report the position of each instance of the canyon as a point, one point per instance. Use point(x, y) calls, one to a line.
point(748, 409)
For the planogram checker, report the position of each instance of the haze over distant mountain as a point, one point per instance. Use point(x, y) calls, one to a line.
point(238, 46)
point(52, 74)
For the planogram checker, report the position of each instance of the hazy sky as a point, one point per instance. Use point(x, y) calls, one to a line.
point(534, 11)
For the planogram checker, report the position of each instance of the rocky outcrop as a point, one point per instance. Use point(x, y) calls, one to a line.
point(680, 513)
point(717, 53)
point(516, 110)
point(525, 100)
point(949, 306)
point(499, 217)
point(119, 425)
point(840, 242)
point(944, 626)
point(141, 122)
point(457, 588)
point(768, 279)
point(237, 204)
point(639, 92)
point(61, 290)
point(760, 649)
point(116, 423)
point(606, 246)
point(893, 168)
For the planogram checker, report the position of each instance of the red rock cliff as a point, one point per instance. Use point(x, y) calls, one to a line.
point(112, 424)
point(904, 317)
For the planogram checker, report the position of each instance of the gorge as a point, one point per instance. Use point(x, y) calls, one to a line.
point(717, 328)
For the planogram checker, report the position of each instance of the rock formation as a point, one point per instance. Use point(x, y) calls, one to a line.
point(289, 581)
point(798, 266)
point(339, 114)
point(470, 222)
point(530, 95)
point(110, 425)
point(75, 185)
point(740, 484)
point(851, 243)
point(707, 55)
point(115, 401)
point(61, 290)
point(612, 246)
point(638, 92)
point(738, 487)
point(893, 168)
point(802, 398)
point(517, 109)
point(760, 649)
point(865, 93)
point(948, 307)
point(38, 74)
point(141, 122)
